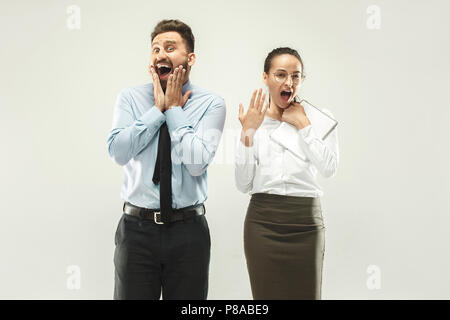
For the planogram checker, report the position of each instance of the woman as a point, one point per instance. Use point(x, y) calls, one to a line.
point(284, 233)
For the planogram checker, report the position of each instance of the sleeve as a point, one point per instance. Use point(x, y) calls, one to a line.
point(324, 154)
point(196, 148)
point(245, 166)
point(129, 136)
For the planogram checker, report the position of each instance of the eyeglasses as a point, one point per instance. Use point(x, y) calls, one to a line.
point(282, 76)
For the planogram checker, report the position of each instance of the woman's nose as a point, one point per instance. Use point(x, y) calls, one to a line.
point(289, 82)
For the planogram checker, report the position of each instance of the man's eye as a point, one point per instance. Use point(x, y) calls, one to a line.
point(281, 75)
point(296, 76)
point(156, 50)
point(170, 48)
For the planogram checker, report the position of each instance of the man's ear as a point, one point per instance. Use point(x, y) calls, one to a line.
point(191, 59)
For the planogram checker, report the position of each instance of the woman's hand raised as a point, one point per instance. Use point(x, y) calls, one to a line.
point(253, 118)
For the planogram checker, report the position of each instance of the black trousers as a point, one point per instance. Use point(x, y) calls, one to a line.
point(151, 258)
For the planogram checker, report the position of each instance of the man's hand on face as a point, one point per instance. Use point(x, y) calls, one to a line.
point(158, 92)
point(173, 95)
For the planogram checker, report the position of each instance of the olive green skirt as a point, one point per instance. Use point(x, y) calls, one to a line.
point(284, 244)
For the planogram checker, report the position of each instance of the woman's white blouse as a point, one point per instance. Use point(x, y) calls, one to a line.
point(269, 167)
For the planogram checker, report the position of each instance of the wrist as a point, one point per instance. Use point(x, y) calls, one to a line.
point(302, 123)
point(247, 136)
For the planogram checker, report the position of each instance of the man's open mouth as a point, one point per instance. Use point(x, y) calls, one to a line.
point(163, 71)
point(286, 95)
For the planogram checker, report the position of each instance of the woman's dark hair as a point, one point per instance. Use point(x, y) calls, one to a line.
point(176, 25)
point(279, 51)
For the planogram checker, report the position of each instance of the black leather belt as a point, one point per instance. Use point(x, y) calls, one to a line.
point(155, 215)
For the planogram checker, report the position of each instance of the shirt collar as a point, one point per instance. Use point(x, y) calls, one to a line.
point(186, 87)
point(271, 119)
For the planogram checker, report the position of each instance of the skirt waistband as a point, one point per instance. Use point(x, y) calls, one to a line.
point(281, 209)
point(278, 198)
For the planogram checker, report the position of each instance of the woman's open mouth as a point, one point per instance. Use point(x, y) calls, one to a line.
point(286, 95)
point(163, 71)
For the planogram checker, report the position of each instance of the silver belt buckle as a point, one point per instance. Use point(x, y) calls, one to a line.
point(157, 217)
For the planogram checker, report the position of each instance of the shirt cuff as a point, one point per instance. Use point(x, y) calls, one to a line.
point(307, 133)
point(244, 154)
point(153, 117)
point(176, 118)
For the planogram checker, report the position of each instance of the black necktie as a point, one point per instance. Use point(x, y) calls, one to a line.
point(163, 173)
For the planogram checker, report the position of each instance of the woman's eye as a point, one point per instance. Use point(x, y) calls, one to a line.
point(170, 48)
point(296, 76)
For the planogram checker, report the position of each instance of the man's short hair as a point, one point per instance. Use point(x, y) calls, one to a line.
point(176, 25)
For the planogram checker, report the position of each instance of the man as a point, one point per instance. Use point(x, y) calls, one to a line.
point(164, 135)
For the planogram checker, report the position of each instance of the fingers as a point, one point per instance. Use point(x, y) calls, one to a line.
point(181, 76)
point(176, 77)
point(241, 111)
point(169, 86)
point(151, 69)
point(175, 81)
point(156, 82)
point(252, 100)
point(178, 73)
point(261, 102)
point(258, 98)
point(265, 108)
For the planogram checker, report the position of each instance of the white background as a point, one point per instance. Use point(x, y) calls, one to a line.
point(387, 206)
